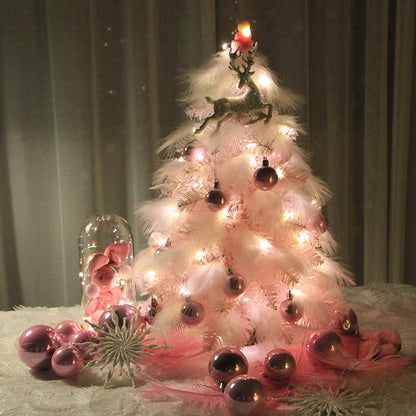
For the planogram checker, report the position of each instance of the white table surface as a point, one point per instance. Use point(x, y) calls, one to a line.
point(25, 393)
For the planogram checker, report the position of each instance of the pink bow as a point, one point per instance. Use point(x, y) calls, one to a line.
point(114, 256)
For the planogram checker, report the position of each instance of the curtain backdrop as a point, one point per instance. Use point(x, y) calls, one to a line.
point(88, 89)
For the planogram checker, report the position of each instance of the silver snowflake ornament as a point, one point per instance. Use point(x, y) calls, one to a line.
point(122, 346)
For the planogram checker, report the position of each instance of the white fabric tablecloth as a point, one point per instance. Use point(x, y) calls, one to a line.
point(25, 393)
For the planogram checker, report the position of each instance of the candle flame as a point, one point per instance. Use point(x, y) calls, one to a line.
point(244, 28)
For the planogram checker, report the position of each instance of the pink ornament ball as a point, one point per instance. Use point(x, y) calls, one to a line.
point(324, 345)
point(317, 224)
point(291, 311)
point(216, 198)
point(67, 361)
point(245, 396)
point(122, 312)
point(192, 312)
point(346, 324)
point(226, 364)
point(85, 335)
point(92, 291)
point(66, 329)
point(234, 285)
point(279, 365)
point(195, 152)
point(36, 346)
point(265, 178)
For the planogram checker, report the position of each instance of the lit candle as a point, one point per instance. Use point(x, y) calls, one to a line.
point(242, 39)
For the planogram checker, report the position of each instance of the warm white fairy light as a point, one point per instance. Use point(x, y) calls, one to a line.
point(303, 237)
point(251, 146)
point(264, 244)
point(225, 46)
point(184, 291)
point(288, 216)
point(151, 276)
point(253, 161)
point(200, 255)
point(280, 172)
point(181, 159)
point(265, 81)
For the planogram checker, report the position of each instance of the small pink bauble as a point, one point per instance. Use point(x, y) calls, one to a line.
point(245, 396)
point(291, 311)
point(192, 312)
point(122, 312)
point(92, 291)
point(324, 344)
point(66, 329)
point(216, 198)
point(279, 365)
point(36, 346)
point(85, 335)
point(317, 224)
point(234, 285)
point(195, 152)
point(346, 324)
point(67, 361)
point(265, 178)
point(227, 363)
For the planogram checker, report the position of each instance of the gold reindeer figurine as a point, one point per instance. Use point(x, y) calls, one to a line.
point(248, 104)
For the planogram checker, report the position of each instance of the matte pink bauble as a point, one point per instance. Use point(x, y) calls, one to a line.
point(324, 345)
point(36, 346)
point(265, 178)
point(192, 312)
point(66, 329)
point(92, 291)
point(195, 152)
point(317, 224)
point(279, 365)
point(85, 335)
point(245, 396)
point(122, 312)
point(67, 361)
point(227, 363)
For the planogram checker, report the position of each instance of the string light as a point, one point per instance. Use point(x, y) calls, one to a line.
point(303, 237)
point(200, 255)
point(288, 216)
point(264, 244)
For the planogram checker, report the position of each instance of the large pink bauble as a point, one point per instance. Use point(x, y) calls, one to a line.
point(85, 335)
point(66, 329)
point(67, 361)
point(124, 311)
point(245, 396)
point(36, 346)
point(227, 363)
point(279, 365)
point(324, 345)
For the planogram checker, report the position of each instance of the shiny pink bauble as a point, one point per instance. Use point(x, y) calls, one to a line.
point(317, 224)
point(85, 335)
point(192, 312)
point(36, 346)
point(291, 311)
point(279, 365)
point(122, 312)
point(265, 178)
point(245, 396)
point(66, 329)
point(67, 361)
point(235, 285)
point(324, 345)
point(346, 324)
point(216, 198)
point(227, 363)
